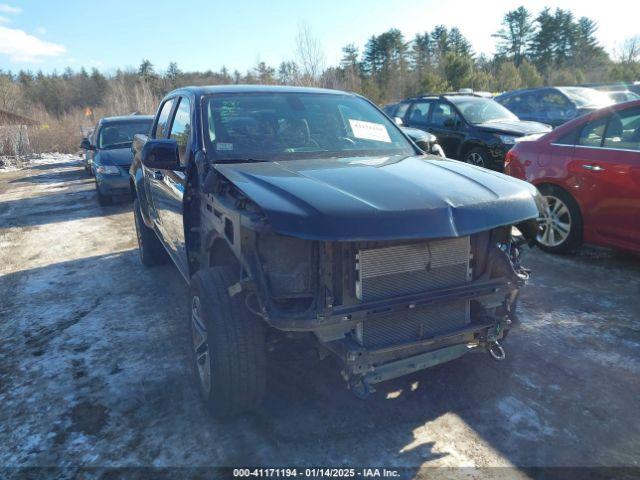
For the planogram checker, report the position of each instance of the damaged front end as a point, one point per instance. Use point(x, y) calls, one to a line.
point(386, 309)
point(388, 284)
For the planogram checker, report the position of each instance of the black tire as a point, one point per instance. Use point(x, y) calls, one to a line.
point(103, 200)
point(477, 156)
point(227, 340)
point(150, 248)
point(573, 218)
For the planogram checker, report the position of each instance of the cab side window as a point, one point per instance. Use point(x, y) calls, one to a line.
point(623, 131)
point(181, 128)
point(162, 127)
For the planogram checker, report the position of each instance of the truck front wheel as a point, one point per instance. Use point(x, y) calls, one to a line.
point(228, 344)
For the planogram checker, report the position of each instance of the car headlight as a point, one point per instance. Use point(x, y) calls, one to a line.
point(507, 139)
point(108, 170)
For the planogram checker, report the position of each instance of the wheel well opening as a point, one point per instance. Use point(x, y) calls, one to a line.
point(221, 254)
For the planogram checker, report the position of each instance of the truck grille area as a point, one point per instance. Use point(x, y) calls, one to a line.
point(411, 268)
point(415, 324)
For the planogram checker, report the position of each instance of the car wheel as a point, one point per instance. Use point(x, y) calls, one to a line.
point(560, 222)
point(150, 249)
point(478, 157)
point(228, 344)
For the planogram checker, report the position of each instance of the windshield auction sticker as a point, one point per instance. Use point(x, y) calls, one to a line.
point(220, 146)
point(369, 131)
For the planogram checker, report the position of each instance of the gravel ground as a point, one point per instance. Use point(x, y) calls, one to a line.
point(94, 371)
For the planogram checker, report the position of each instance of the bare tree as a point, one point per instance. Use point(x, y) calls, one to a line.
point(310, 56)
point(629, 52)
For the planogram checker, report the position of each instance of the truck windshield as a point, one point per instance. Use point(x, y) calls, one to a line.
point(120, 135)
point(280, 126)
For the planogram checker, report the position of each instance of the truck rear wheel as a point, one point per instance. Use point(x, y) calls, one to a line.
point(228, 344)
point(151, 251)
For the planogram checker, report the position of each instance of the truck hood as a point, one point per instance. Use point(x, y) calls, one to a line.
point(514, 127)
point(382, 198)
point(121, 157)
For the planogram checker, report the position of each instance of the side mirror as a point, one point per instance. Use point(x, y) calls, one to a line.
point(398, 121)
point(160, 154)
point(450, 123)
point(86, 144)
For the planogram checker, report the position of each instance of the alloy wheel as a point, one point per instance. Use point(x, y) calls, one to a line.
point(555, 222)
point(200, 345)
point(474, 158)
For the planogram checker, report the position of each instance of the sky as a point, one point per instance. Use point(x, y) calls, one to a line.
point(50, 35)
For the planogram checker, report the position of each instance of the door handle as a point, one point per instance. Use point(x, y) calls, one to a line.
point(157, 175)
point(593, 168)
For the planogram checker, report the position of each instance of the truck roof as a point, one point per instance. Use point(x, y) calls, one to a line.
point(213, 89)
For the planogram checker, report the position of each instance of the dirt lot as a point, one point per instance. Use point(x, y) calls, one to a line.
point(94, 372)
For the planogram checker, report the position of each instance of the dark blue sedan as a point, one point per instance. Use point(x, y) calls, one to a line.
point(112, 153)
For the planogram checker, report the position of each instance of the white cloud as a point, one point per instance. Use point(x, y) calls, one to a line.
point(4, 19)
point(22, 47)
point(4, 8)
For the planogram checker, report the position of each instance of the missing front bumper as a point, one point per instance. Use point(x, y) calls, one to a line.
point(363, 368)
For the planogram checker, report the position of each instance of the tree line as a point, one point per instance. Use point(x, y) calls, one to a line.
point(552, 47)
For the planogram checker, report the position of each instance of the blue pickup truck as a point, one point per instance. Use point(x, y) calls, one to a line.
point(309, 211)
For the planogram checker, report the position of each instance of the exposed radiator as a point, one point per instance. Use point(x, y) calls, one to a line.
point(414, 324)
point(412, 268)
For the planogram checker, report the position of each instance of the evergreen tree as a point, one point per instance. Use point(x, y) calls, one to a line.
point(544, 42)
point(516, 35)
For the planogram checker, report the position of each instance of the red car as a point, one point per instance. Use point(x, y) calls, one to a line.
point(589, 171)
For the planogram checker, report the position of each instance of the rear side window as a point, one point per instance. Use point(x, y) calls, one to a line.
point(623, 131)
point(593, 132)
point(181, 127)
point(420, 113)
point(162, 128)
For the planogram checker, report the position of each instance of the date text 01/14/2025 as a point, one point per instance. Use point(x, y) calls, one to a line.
point(315, 472)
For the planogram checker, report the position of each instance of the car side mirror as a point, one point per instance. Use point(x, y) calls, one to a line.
point(160, 154)
point(86, 144)
point(450, 123)
point(398, 121)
